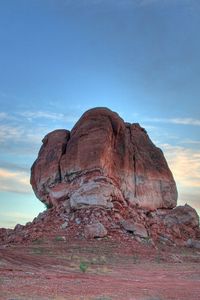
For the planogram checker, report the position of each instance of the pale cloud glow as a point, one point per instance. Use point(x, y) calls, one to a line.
point(17, 182)
point(185, 165)
point(15, 214)
point(11, 218)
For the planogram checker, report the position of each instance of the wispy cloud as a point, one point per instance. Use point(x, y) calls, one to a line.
point(13, 166)
point(46, 115)
point(3, 116)
point(42, 114)
point(192, 198)
point(178, 121)
point(19, 135)
point(17, 182)
point(189, 141)
point(23, 135)
point(10, 132)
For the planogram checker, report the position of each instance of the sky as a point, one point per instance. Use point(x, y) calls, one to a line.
point(58, 58)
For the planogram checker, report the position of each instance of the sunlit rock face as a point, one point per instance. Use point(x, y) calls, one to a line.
point(103, 162)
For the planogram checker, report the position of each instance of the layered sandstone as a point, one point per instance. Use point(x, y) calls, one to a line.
point(103, 162)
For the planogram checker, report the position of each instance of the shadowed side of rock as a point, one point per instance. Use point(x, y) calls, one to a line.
point(45, 171)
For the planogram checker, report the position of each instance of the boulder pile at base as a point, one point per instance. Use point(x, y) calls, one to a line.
point(105, 176)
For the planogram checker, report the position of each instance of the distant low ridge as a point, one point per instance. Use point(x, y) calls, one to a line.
point(105, 177)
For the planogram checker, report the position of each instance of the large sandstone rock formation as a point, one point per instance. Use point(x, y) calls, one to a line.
point(102, 162)
point(106, 178)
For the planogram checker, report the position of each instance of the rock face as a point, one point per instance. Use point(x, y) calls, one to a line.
point(102, 162)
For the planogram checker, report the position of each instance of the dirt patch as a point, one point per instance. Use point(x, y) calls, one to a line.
point(102, 269)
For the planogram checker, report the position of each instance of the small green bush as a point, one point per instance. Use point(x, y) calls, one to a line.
point(60, 239)
point(83, 266)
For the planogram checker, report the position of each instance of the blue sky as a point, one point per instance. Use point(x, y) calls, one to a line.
point(58, 58)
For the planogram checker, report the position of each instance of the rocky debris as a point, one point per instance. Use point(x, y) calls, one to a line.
point(103, 161)
point(96, 230)
point(92, 222)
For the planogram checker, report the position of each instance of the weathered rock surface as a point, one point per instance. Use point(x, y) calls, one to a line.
point(101, 162)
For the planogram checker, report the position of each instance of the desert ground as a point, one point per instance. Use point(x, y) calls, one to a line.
point(100, 269)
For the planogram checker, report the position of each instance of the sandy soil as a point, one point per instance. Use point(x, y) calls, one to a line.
point(98, 270)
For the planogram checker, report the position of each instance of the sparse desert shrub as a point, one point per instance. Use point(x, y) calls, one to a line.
point(38, 241)
point(136, 259)
point(158, 257)
point(60, 238)
point(83, 266)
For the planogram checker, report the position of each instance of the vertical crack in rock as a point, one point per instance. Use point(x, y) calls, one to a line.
point(59, 173)
point(134, 158)
point(63, 152)
point(134, 170)
point(114, 132)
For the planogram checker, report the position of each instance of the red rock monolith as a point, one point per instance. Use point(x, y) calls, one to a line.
point(103, 162)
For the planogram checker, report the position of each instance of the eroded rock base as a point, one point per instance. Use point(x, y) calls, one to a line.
point(179, 226)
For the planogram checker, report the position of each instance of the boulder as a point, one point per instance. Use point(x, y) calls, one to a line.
point(96, 230)
point(184, 215)
point(193, 243)
point(136, 228)
point(64, 225)
point(102, 161)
